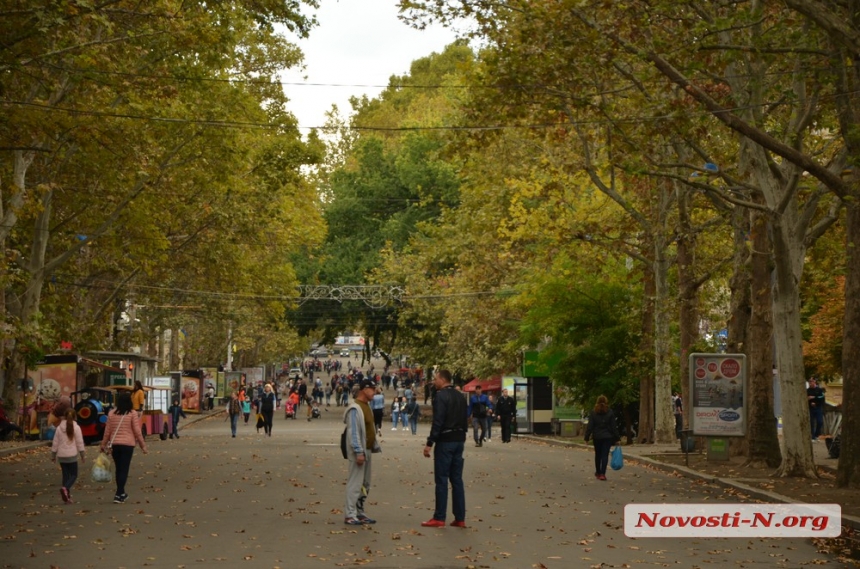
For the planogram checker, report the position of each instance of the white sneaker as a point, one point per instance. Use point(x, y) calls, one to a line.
point(393, 428)
point(404, 429)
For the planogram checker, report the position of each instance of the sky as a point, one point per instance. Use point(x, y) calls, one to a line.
point(356, 42)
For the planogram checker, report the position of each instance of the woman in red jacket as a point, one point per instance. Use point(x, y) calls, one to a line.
point(122, 431)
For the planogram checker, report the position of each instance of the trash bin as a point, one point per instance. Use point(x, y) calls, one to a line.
point(688, 442)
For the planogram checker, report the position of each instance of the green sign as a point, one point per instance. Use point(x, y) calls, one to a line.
point(115, 378)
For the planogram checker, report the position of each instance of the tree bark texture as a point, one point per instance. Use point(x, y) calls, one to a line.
point(688, 291)
point(797, 459)
point(646, 345)
point(762, 436)
point(664, 416)
point(740, 307)
point(848, 473)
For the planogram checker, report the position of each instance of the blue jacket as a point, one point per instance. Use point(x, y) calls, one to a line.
point(475, 399)
point(175, 412)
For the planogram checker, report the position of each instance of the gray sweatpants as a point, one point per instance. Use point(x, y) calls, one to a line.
point(357, 487)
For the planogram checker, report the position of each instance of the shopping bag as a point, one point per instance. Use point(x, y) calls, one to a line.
point(102, 469)
point(617, 461)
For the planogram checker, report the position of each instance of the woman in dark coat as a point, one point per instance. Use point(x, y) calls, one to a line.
point(602, 428)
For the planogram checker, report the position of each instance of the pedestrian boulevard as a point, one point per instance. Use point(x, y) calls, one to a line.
point(210, 500)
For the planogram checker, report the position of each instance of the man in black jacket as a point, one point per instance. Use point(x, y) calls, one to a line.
point(506, 410)
point(448, 433)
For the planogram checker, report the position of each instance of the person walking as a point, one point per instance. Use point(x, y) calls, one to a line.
point(361, 443)
point(604, 430)
point(210, 398)
point(491, 416)
point(815, 395)
point(138, 398)
point(67, 445)
point(122, 431)
point(506, 410)
point(377, 405)
point(678, 411)
point(412, 412)
point(395, 413)
point(175, 411)
point(448, 434)
point(479, 406)
point(234, 410)
point(246, 410)
point(267, 408)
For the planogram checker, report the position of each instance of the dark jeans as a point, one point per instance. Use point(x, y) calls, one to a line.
point(267, 421)
point(70, 474)
point(601, 455)
point(482, 423)
point(506, 429)
point(234, 420)
point(448, 465)
point(816, 420)
point(377, 418)
point(122, 459)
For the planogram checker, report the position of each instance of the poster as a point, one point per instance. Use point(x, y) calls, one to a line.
point(191, 392)
point(254, 375)
point(717, 387)
point(52, 381)
point(209, 378)
point(220, 385)
point(234, 380)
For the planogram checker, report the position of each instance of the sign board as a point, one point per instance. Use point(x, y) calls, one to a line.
point(160, 381)
point(717, 386)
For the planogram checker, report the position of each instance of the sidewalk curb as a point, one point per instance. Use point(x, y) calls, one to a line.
point(36, 444)
point(757, 493)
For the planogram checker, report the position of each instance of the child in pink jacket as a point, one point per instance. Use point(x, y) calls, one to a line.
point(68, 444)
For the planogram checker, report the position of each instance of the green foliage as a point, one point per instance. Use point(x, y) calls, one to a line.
point(592, 321)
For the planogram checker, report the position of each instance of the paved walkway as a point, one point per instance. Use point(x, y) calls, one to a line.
point(208, 499)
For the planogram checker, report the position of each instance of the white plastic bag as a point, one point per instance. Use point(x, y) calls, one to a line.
point(102, 469)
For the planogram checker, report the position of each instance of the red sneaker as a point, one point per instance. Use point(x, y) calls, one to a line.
point(433, 523)
point(458, 524)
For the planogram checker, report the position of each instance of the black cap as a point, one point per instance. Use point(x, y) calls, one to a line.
point(367, 382)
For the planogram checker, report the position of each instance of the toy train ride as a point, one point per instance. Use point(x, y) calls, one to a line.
point(93, 404)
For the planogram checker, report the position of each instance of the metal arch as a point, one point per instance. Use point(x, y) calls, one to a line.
point(375, 296)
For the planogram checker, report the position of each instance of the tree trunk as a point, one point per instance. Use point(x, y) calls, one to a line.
point(174, 350)
point(740, 305)
point(664, 415)
point(762, 436)
point(848, 473)
point(797, 459)
point(646, 345)
point(688, 288)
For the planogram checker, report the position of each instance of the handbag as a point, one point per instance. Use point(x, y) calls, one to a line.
point(617, 462)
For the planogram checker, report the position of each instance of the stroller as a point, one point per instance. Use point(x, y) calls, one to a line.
point(289, 410)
